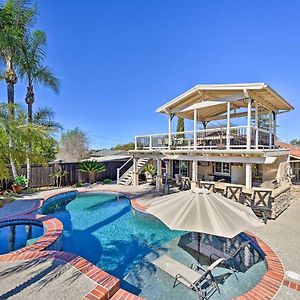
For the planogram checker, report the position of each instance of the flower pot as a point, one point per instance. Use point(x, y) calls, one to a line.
point(16, 188)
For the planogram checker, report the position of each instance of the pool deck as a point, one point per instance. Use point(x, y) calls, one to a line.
point(282, 235)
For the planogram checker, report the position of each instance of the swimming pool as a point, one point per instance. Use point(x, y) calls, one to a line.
point(104, 229)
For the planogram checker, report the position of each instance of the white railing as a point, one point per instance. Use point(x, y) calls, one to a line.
point(122, 167)
point(212, 138)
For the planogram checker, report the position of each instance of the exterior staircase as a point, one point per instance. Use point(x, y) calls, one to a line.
point(126, 178)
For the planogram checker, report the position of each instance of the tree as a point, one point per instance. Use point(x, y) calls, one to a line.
point(91, 167)
point(295, 142)
point(125, 147)
point(73, 145)
point(180, 127)
point(15, 20)
point(22, 134)
point(30, 66)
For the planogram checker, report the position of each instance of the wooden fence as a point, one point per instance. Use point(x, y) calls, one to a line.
point(42, 175)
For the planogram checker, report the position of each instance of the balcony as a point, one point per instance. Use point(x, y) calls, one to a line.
point(237, 137)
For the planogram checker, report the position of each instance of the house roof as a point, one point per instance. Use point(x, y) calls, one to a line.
point(294, 149)
point(110, 158)
point(263, 94)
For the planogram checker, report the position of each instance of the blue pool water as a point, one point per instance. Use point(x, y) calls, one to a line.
point(104, 229)
point(19, 238)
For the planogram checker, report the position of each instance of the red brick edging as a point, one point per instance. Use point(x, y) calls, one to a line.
point(52, 226)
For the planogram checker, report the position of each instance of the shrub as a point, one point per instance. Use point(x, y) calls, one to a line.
point(106, 181)
point(78, 184)
point(150, 169)
point(91, 167)
point(21, 180)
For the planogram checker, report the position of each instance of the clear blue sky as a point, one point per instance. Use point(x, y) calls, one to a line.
point(118, 60)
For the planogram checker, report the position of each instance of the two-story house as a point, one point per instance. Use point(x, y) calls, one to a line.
point(232, 136)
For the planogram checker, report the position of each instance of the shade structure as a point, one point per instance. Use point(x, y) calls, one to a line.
point(200, 210)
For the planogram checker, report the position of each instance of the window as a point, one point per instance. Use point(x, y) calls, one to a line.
point(223, 168)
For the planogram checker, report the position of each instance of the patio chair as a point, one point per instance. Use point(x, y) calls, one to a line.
point(230, 258)
point(178, 178)
point(187, 276)
point(233, 191)
point(261, 203)
point(207, 185)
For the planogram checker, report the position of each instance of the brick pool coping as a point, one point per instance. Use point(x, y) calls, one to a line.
point(53, 229)
point(266, 289)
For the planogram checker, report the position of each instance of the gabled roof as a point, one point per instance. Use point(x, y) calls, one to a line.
point(294, 149)
point(260, 92)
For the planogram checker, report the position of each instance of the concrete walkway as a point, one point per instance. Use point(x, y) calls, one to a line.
point(281, 234)
point(42, 279)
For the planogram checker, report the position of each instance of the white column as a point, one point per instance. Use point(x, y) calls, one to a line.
point(159, 185)
point(194, 182)
point(135, 174)
point(195, 128)
point(249, 125)
point(274, 126)
point(270, 129)
point(168, 168)
point(228, 127)
point(170, 130)
point(248, 176)
point(256, 125)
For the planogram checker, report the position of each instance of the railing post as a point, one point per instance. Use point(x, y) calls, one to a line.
point(249, 124)
point(228, 127)
point(169, 134)
point(195, 129)
point(270, 129)
point(274, 127)
point(256, 125)
point(150, 142)
point(135, 143)
point(118, 175)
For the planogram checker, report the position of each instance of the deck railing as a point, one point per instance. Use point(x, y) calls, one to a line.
point(212, 138)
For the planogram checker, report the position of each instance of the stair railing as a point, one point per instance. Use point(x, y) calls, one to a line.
point(119, 169)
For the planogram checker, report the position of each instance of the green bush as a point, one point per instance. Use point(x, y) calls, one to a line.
point(78, 184)
point(91, 167)
point(21, 180)
point(106, 181)
point(150, 169)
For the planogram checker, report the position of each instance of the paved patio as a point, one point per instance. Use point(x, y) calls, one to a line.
point(281, 234)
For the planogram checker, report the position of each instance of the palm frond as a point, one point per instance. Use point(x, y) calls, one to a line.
point(45, 117)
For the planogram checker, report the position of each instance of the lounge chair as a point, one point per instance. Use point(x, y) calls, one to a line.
point(215, 254)
point(187, 276)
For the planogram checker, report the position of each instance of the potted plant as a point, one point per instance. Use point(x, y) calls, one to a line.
point(150, 171)
point(19, 182)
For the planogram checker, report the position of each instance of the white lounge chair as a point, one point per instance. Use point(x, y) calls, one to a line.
point(183, 274)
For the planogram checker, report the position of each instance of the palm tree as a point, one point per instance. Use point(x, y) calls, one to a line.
point(91, 167)
point(16, 17)
point(15, 20)
point(30, 67)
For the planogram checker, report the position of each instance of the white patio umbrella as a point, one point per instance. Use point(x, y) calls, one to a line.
point(202, 211)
